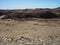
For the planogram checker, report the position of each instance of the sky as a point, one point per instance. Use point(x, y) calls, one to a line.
point(23, 4)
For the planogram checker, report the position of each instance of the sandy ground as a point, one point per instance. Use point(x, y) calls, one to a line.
point(36, 30)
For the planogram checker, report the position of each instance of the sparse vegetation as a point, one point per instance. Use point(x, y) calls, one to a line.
point(30, 27)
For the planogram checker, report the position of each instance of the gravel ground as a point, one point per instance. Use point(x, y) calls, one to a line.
point(38, 32)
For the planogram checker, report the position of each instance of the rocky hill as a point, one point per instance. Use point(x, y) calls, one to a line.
point(30, 13)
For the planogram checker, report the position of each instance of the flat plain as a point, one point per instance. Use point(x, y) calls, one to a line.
point(30, 32)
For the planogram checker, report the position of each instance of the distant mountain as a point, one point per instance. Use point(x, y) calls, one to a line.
point(58, 8)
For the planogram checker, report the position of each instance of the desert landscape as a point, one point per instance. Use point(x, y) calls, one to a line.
point(30, 27)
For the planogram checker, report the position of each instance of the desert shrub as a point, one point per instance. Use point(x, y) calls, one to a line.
point(59, 16)
point(1, 13)
point(48, 15)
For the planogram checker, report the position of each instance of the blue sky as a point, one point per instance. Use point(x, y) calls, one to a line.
point(21, 4)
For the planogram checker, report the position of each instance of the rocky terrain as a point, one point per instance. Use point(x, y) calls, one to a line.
point(30, 27)
point(30, 32)
point(30, 13)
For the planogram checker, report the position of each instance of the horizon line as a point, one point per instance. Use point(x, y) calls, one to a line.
point(26, 8)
